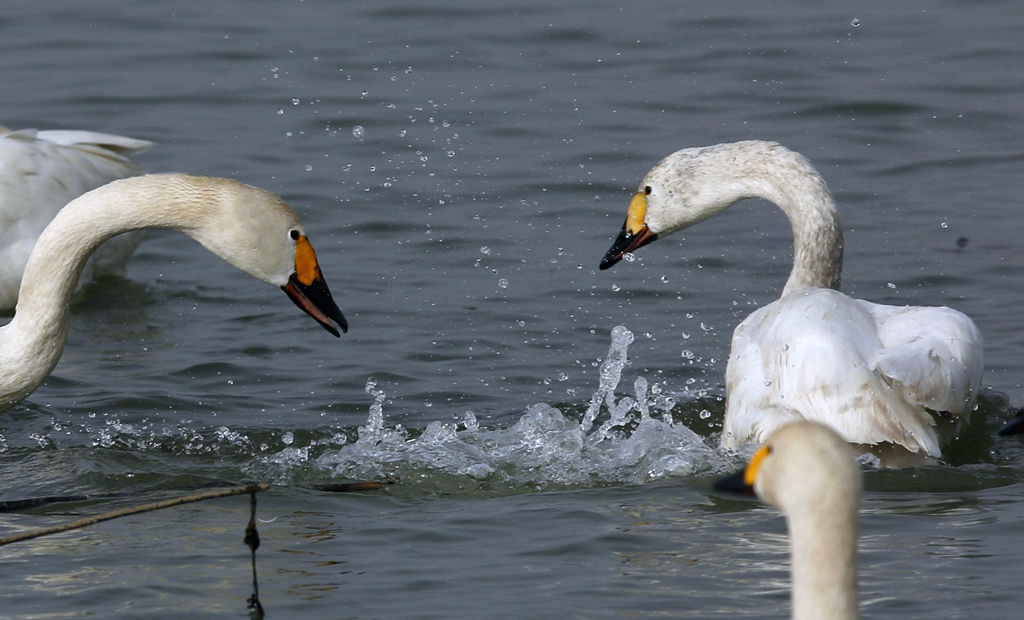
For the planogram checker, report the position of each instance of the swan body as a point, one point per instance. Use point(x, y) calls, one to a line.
point(809, 472)
point(248, 227)
point(40, 172)
point(876, 374)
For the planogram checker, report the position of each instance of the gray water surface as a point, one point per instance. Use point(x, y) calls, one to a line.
point(461, 168)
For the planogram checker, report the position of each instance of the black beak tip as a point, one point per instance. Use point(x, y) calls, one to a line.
point(333, 313)
point(733, 483)
point(315, 300)
point(609, 260)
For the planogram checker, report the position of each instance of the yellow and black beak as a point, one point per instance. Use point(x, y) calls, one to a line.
point(308, 289)
point(635, 233)
point(742, 482)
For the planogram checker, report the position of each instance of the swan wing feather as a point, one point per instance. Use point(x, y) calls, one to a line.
point(40, 172)
point(813, 355)
point(935, 354)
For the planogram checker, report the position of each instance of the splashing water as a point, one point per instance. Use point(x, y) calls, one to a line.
point(543, 449)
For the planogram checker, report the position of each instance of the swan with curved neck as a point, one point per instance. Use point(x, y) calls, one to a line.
point(806, 470)
point(40, 172)
point(876, 374)
point(248, 227)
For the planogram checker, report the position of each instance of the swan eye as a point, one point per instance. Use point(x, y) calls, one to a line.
point(294, 234)
point(647, 190)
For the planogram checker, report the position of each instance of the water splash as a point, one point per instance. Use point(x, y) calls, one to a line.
point(607, 438)
point(543, 449)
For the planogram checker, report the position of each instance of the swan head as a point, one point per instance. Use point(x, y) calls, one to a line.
point(692, 185)
point(802, 465)
point(257, 232)
point(808, 471)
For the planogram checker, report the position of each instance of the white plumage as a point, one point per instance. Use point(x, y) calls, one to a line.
point(248, 227)
point(874, 373)
point(806, 470)
point(40, 172)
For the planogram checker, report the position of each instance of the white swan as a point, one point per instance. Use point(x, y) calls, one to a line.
point(809, 472)
point(40, 172)
point(248, 227)
point(876, 374)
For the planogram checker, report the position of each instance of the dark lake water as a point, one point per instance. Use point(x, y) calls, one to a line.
point(461, 168)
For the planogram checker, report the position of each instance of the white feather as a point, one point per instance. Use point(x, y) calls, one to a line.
point(874, 373)
point(40, 172)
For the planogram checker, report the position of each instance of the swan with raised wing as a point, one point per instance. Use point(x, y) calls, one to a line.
point(808, 471)
point(40, 172)
point(248, 227)
point(876, 374)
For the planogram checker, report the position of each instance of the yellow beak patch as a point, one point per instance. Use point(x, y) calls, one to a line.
point(750, 473)
point(307, 269)
point(637, 214)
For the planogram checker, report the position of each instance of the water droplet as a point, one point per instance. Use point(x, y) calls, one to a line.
point(485, 249)
point(288, 438)
point(428, 404)
point(563, 377)
point(503, 283)
point(704, 414)
point(295, 102)
point(664, 279)
point(279, 111)
point(615, 287)
point(767, 383)
point(309, 167)
point(629, 257)
point(855, 22)
point(891, 285)
point(785, 347)
point(358, 132)
point(944, 225)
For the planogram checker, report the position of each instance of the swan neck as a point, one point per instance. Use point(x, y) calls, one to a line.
point(788, 180)
point(34, 339)
point(824, 564)
point(86, 222)
point(817, 244)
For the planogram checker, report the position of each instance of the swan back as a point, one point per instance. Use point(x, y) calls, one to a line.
point(40, 172)
point(808, 471)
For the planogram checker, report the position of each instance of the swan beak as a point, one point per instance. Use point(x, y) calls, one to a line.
point(742, 482)
point(308, 289)
point(635, 233)
point(733, 483)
